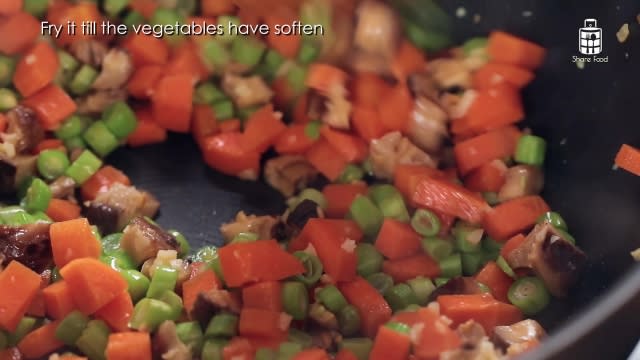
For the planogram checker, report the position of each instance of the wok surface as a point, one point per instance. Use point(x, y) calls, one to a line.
point(584, 114)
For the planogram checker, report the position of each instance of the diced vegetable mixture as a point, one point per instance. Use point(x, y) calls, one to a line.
point(414, 227)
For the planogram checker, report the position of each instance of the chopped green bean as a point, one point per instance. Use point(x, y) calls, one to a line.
point(300, 337)
point(390, 202)
point(148, 314)
point(170, 17)
point(472, 262)
point(7, 68)
point(296, 79)
point(84, 167)
point(400, 296)
point(309, 52)
point(72, 127)
point(227, 36)
point(133, 18)
point(74, 143)
point(313, 195)
point(81, 83)
point(360, 347)
point(422, 287)
point(52, 163)
point(138, 284)
point(15, 216)
point(270, 65)
point(164, 278)
point(41, 216)
point(398, 327)
point(529, 295)
point(490, 245)
point(554, 219)
point(223, 110)
point(244, 237)
point(118, 260)
point(207, 93)
point(312, 130)
point(504, 266)
point(8, 99)
point(369, 259)
point(530, 150)
point(215, 54)
point(437, 248)
point(120, 119)
point(367, 215)
point(439, 281)
point(287, 350)
point(174, 301)
point(425, 223)
point(222, 325)
point(451, 266)
point(71, 327)
point(474, 44)
point(4, 341)
point(190, 334)
point(183, 245)
point(491, 198)
point(247, 50)
point(38, 196)
point(332, 298)
point(295, 299)
point(25, 326)
point(94, 339)
point(350, 174)
point(212, 349)
point(468, 238)
point(381, 282)
point(313, 268)
point(68, 66)
point(349, 320)
point(100, 138)
point(111, 242)
point(114, 7)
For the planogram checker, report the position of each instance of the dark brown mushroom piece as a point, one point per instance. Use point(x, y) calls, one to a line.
point(305, 210)
point(520, 332)
point(62, 187)
point(103, 216)
point(457, 286)
point(474, 345)
point(259, 225)
point(23, 129)
point(129, 202)
point(289, 173)
point(90, 52)
point(142, 240)
point(14, 171)
point(167, 343)
point(212, 302)
point(28, 244)
point(521, 180)
point(550, 256)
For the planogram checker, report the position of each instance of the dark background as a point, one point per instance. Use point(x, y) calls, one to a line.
point(585, 115)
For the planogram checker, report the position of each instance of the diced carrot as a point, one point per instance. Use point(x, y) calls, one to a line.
point(352, 148)
point(88, 294)
point(225, 153)
point(52, 105)
point(492, 108)
point(287, 45)
point(294, 140)
point(10, 7)
point(57, 299)
point(390, 345)
point(323, 77)
point(19, 286)
point(508, 49)
point(40, 341)
point(102, 180)
point(514, 216)
point(411, 267)
point(367, 89)
point(512, 244)
point(129, 346)
point(239, 348)
point(406, 177)
point(3, 122)
point(216, 7)
point(367, 123)
point(12, 353)
point(261, 323)
point(395, 107)
point(284, 93)
point(312, 354)
point(340, 229)
point(185, 60)
point(203, 123)
point(230, 125)
point(372, 308)
point(482, 308)
point(265, 295)
point(408, 60)
point(147, 131)
point(475, 152)
point(143, 82)
point(497, 281)
point(345, 354)
point(73, 239)
point(436, 336)
point(146, 50)
point(326, 159)
point(37, 307)
point(340, 196)
point(117, 312)
point(172, 102)
point(62, 210)
point(487, 178)
point(144, 7)
point(79, 13)
point(300, 110)
point(334, 248)
point(48, 144)
point(36, 69)
point(493, 74)
point(262, 129)
point(205, 280)
point(628, 158)
point(18, 32)
point(397, 240)
point(450, 199)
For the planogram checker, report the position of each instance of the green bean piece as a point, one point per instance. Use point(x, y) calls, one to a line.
point(431, 41)
point(369, 259)
point(295, 299)
point(71, 327)
point(4, 341)
point(73, 126)
point(296, 79)
point(422, 287)
point(244, 237)
point(398, 327)
point(360, 347)
point(529, 295)
point(100, 138)
point(472, 262)
point(367, 215)
point(164, 278)
point(114, 7)
point(332, 298)
point(349, 320)
point(227, 36)
point(38, 196)
point(223, 110)
point(207, 93)
point(138, 284)
point(313, 268)
point(484, 288)
point(245, 113)
point(212, 349)
point(40, 216)
point(312, 130)
point(381, 282)
point(270, 65)
point(504, 266)
point(300, 337)
point(437, 248)
point(351, 174)
point(52, 163)
point(309, 52)
point(174, 301)
point(287, 350)
point(266, 354)
point(191, 335)
point(215, 54)
point(94, 339)
point(96, 232)
point(15, 216)
point(313, 195)
point(554, 219)
point(164, 16)
point(187, 7)
point(25, 326)
point(7, 68)
point(425, 223)
point(183, 245)
point(68, 66)
point(491, 198)
point(74, 143)
point(23, 187)
point(451, 266)
point(222, 325)
point(390, 202)
point(118, 260)
point(120, 119)
point(490, 245)
point(439, 281)
point(8, 99)
point(148, 314)
point(133, 18)
point(530, 150)
point(400, 296)
point(474, 44)
point(468, 238)
point(247, 50)
point(111, 242)
point(81, 83)
point(84, 167)
point(565, 235)
point(55, 275)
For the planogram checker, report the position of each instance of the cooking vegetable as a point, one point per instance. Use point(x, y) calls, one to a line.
point(530, 150)
point(627, 158)
point(369, 259)
point(529, 295)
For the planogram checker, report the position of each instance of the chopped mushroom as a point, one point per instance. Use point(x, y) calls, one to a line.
point(326, 339)
point(90, 52)
point(521, 180)
point(209, 303)
point(260, 225)
point(323, 317)
point(96, 102)
point(142, 240)
point(289, 173)
point(427, 126)
point(116, 69)
point(15, 170)
point(554, 259)
point(62, 187)
point(520, 332)
point(246, 91)
point(28, 244)
point(305, 210)
point(167, 343)
point(378, 29)
point(338, 107)
point(23, 124)
point(449, 73)
point(475, 344)
point(128, 202)
point(394, 149)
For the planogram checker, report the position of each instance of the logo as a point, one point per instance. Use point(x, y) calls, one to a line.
point(590, 37)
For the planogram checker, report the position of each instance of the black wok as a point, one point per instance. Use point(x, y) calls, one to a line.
point(584, 114)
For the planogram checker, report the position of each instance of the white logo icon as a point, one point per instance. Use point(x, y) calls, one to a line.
point(590, 37)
